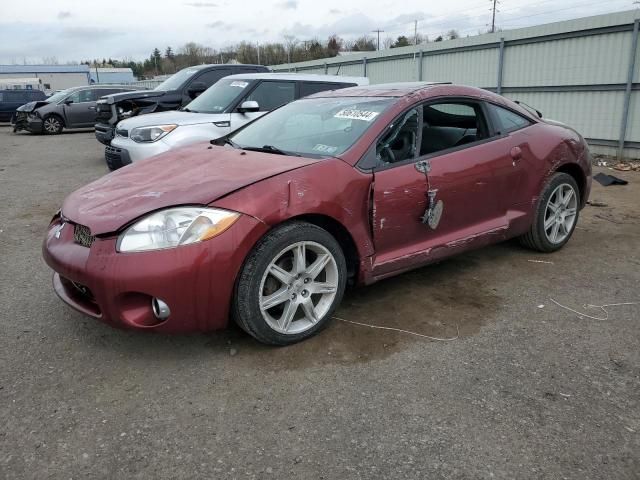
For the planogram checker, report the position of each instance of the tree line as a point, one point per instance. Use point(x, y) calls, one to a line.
point(272, 53)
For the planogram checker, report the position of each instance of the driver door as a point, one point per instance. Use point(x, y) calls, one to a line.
point(439, 200)
point(81, 112)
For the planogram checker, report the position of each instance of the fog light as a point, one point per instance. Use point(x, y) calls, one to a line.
point(160, 309)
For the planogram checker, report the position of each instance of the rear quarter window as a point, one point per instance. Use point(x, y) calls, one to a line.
point(509, 121)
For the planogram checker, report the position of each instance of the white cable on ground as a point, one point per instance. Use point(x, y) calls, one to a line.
point(437, 339)
point(601, 307)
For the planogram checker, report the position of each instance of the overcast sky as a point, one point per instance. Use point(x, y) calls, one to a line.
point(74, 30)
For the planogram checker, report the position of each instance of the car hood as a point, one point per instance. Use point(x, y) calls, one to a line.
point(31, 106)
point(171, 117)
point(193, 175)
point(118, 97)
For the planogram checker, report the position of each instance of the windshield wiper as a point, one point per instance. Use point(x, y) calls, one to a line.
point(271, 149)
point(224, 141)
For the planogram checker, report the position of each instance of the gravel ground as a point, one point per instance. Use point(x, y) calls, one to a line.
point(529, 390)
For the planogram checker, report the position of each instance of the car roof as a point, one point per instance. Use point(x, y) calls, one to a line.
point(309, 77)
point(221, 65)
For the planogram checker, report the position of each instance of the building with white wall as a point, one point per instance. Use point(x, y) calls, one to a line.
point(54, 77)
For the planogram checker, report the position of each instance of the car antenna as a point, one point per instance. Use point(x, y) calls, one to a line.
point(529, 107)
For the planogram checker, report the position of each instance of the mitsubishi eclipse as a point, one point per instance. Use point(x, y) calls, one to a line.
point(269, 226)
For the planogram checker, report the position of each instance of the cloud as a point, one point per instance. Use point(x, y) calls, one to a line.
point(219, 24)
point(63, 15)
point(288, 4)
point(334, 11)
point(201, 4)
point(88, 33)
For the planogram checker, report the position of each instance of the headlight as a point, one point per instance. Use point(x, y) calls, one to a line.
point(151, 134)
point(174, 227)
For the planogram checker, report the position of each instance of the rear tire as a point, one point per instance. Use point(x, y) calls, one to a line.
point(290, 284)
point(52, 125)
point(556, 215)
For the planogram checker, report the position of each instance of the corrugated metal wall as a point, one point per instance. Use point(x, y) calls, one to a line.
point(575, 72)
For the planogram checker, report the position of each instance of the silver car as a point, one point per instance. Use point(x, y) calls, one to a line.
point(225, 106)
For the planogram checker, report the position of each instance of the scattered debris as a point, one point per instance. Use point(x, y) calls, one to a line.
point(602, 163)
point(596, 203)
point(438, 339)
point(622, 167)
point(541, 305)
point(233, 352)
point(541, 261)
point(606, 180)
point(581, 315)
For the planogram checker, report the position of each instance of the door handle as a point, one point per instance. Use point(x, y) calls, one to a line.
point(516, 154)
point(92, 108)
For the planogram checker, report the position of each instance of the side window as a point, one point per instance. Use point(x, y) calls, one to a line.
point(400, 143)
point(450, 125)
point(83, 96)
point(1, 97)
point(309, 88)
point(510, 121)
point(212, 76)
point(270, 95)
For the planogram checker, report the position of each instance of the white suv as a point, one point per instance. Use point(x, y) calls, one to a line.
point(225, 106)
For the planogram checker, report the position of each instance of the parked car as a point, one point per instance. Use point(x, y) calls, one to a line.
point(227, 105)
point(176, 91)
point(71, 108)
point(343, 187)
point(10, 100)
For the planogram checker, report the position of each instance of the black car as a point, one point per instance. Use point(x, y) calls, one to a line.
point(175, 92)
point(10, 100)
point(71, 108)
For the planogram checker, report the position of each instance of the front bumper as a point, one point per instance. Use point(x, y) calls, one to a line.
point(104, 133)
point(139, 151)
point(29, 123)
point(196, 281)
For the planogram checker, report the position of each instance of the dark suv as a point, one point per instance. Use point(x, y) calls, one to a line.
point(10, 100)
point(71, 108)
point(175, 92)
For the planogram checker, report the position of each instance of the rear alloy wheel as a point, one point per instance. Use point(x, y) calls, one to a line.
point(290, 285)
point(52, 125)
point(556, 215)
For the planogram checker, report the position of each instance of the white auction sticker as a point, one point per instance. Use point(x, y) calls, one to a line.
point(325, 148)
point(356, 114)
point(238, 83)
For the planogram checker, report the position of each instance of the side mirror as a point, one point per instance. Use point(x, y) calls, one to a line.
point(249, 106)
point(196, 88)
point(68, 101)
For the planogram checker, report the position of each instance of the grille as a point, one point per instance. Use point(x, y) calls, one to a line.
point(112, 153)
point(82, 235)
point(83, 290)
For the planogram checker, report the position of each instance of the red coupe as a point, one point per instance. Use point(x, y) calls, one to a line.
point(269, 225)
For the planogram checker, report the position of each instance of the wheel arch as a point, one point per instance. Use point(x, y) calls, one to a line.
point(575, 171)
point(55, 114)
point(342, 236)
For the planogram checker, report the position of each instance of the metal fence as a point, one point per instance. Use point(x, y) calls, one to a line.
point(584, 72)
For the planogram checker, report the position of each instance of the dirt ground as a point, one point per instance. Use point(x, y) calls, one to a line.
point(529, 390)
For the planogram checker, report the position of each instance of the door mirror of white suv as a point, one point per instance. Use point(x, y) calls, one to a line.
point(249, 106)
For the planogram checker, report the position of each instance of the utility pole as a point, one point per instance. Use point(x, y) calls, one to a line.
point(258, 48)
point(493, 19)
point(415, 32)
point(378, 32)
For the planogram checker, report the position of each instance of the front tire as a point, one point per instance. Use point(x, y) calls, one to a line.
point(290, 284)
point(52, 125)
point(556, 215)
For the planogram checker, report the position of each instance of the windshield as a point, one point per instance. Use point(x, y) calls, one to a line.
point(56, 97)
point(176, 80)
point(219, 96)
point(316, 127)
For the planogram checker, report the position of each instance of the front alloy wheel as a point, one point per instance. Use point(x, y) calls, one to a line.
point(560, 214)
point(290, 284)
point(52, 125)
